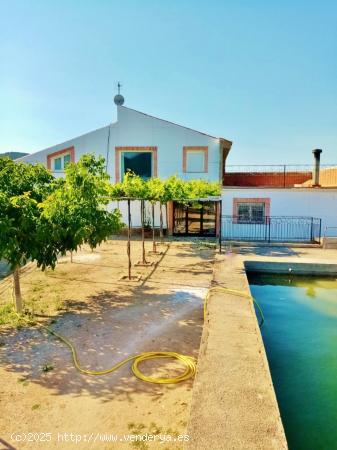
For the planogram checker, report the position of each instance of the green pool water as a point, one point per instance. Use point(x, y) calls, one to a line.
point(300, 337)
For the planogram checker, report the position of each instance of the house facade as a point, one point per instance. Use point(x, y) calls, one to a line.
point(150, 146)
point(261, 203)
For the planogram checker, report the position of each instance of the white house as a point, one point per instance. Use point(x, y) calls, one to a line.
point(149, 146)
point(265, 204)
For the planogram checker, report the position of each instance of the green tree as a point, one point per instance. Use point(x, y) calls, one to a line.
point(41, 217)
point(135, 188)
point(77, 209)
point(23, 187)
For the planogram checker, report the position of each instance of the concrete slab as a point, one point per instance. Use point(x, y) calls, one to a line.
point(234, 404)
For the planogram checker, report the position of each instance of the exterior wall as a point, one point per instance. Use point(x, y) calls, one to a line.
point(311, 202)
point(135, 212)
point(328, 177)
point(93, 142)
point(138, 129)
point(135, 129)
point(266, 179)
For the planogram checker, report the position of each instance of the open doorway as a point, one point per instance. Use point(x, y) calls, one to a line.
point(197, 218)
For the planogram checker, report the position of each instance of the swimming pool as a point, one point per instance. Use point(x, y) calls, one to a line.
point(300, 337)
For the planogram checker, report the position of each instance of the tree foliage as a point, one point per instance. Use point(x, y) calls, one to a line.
point(201, 189)
point(163, 191)
point(23, 188)
point(77, 209)
point(41, 217)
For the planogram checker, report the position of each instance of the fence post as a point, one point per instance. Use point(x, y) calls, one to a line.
point(220, 225)
point(320, 230)
point(269, 230)
point(312, 230)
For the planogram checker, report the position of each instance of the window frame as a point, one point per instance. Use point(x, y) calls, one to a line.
point(60, 154)
point(251, 202)
point(250, 216)
point(195, 149)
point(123, 172)
point(138, 149)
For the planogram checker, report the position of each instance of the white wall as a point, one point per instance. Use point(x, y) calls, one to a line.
point(137, 129)
point(134, 128)
point(93, 142)
point(320, 202)
point(135, 212)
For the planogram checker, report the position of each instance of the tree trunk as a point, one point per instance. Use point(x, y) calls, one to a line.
point(17, 290)
point(161, 223)
point(129, 241)
point(167, 226)
point(71, 256)
point(142, 213)
point(154, 248)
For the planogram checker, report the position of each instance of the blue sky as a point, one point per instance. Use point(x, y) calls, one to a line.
point(260, 73)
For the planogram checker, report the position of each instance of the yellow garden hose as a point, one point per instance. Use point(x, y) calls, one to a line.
point(234, 292)
point(188, 361)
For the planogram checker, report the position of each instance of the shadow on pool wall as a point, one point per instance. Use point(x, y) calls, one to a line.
point(300, 338)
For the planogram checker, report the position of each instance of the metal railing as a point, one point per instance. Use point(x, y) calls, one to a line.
point(280, 176)
point(272, 229)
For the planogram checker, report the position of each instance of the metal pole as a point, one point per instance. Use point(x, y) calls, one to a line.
point(220, 225)
point(186, 219)
point(161, 223)
point(320, 230)
point(154, 249)
point(142, 212)
point(317, 157)
point(129, 240)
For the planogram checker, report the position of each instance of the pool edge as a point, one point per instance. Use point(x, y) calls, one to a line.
point(234, 403)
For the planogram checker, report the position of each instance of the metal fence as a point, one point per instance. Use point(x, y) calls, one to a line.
point(280, 176)
point(272, 229)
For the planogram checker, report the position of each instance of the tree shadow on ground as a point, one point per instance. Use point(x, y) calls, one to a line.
point(278, 251)
point(6, 445)
point(105, 330)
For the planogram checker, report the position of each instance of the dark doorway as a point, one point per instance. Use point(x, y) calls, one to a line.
point(194, 219)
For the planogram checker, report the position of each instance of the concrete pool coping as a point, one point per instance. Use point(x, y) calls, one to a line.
point(234, 405)
point(295, 268)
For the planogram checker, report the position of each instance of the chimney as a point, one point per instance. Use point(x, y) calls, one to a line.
point(317, 159)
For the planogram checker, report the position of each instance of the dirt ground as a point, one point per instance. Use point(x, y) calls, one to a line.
point(107, 320)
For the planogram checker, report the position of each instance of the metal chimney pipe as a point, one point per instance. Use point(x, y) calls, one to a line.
point(317, 160)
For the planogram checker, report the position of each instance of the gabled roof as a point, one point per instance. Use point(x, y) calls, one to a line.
point(177, 124)
point(225, 142)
